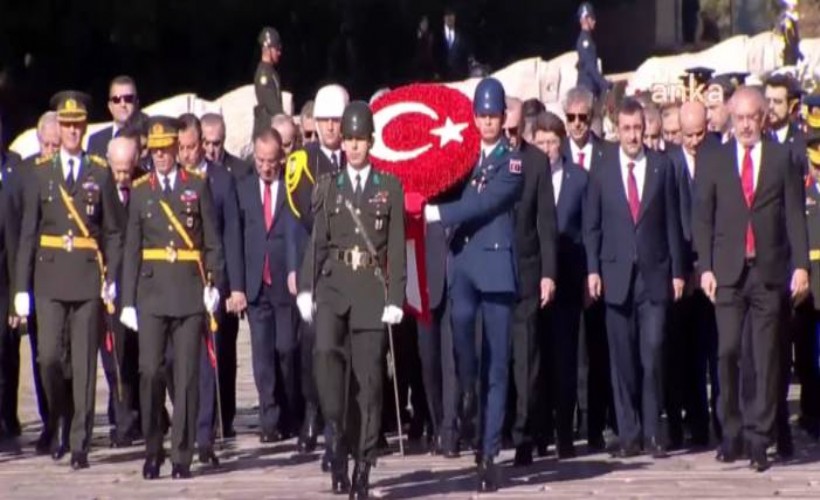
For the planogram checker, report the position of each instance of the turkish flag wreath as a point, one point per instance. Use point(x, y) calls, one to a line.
point(425, 136)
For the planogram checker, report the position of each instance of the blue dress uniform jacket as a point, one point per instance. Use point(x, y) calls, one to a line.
point(484, 233)
point(589, 76)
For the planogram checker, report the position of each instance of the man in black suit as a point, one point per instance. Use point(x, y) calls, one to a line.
point(535, 252)
point(223, 189)
point(559, 325)
point(265, 227)
point(692, 333)
point(453, 50)
point(213, 142)
point(123, 103)
point(584, 148)
point(749, 228)
point(634, 253)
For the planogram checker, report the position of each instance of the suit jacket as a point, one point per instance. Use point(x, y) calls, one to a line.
point(721, 216)
point(813, 223)
point(223, 193)
point(535, 210)
point(483, 241)
point(9, 232)
point(436, 248)
point(259, 242)
point(599, 147)
point(796, 142)
point(453, 61)
point(169, 287)
point(616, 245)
point(571, 254)
point(238, 167)
point(685, 186)
point(98, 141)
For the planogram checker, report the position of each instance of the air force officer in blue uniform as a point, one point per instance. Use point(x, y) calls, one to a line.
point(482, 273)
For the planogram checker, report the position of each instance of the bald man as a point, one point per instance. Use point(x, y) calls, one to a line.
point(670, 124)
point(749, 228)
point(119, 349)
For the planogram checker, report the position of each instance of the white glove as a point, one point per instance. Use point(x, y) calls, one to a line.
point(210, 297)
point(431, 213)
point(392, 315)
point(22, 304)
point(128, 317)
point(304, 301)
point(109, 293)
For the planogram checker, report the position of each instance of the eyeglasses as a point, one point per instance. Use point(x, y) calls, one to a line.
point(126, 98)
point(571, 117)
point(511, 131)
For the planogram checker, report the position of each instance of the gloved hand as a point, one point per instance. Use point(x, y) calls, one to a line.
point(304, 301)
point(392, 315)
point(210, 297)
point(109, 292)
point(128, 317)
point(22, 304)
point(431, 213)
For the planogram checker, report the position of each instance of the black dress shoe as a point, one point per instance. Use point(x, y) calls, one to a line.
point(340, 482)
point(759, 461)
point(361, 481)
point(566, 451)
point(487, 476)
point(596, 443)
point(150, 469)
point(79, 460)
point(542, 449)
point(466, 414)
point(655, 449)
point(270, 437)
point(628, 450)
point(785, 447)
point(309, 433)
point(229, 432)
point(43, 444)
point(58, 452)
point(699, 439)
point(523, 455)
point(728, 452)
point(208, 457)
point(180, 471)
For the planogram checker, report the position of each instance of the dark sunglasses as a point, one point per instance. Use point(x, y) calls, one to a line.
point(571, 117)
point(511, 131)
point(126, 98)
point(309, 134)
point(215, 144)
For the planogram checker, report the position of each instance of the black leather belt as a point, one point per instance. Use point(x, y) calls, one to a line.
point(356, 258)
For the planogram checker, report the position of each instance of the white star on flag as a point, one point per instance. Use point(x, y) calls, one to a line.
point(449, 132)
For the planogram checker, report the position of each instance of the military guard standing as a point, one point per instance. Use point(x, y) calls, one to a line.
point(70, 250)
point(171, 272)
point(484, 273)
point(589, 75)
point(355, 271)
point(266, 81)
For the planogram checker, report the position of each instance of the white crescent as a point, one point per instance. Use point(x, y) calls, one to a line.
point(387, 114)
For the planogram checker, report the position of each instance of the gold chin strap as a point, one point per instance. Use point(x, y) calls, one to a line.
point(814, 157)
point(297, 165)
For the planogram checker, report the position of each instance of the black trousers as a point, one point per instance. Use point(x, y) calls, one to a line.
point(805, 332)
point(185, 335)
point(349, 370)
point(222, 346)
point(410, 383)
point(71, 329)
point(600, 404)
point(526, 365)
point(751, 300)
point(120, 346)
point(438, 371)
point(9, 370)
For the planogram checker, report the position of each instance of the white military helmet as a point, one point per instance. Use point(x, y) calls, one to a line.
point(330, 102)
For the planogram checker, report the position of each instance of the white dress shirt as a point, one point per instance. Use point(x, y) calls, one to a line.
point(486, 150)
point(172, 176)
point(274, 187)
point(782, 133)
point(557, 179)
point(449, 35)
point(756, 153)
point(690, 163)
point(363, 173)
point(587, 150)
point(639, 171)
point(330, 154)
point(64, 157)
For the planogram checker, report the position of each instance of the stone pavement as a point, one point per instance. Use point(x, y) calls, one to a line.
point(252, 470)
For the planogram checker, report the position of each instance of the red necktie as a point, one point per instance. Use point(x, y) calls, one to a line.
point(632, 192)
point(747, 180)
point(267, 207)
point(581, 156)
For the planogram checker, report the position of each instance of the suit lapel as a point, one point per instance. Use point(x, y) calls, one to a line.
point(734, 171)
point(650, 186)
point(280, 202)
point(617, 180)
point(763, 174)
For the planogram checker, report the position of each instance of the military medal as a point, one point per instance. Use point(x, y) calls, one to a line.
point(89, 209)
point(379, 224)
point(189, 222)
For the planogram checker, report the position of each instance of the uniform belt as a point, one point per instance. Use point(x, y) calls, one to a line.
point(356, 258)
point(68, 242)
point(814, 255)
point(170, 254)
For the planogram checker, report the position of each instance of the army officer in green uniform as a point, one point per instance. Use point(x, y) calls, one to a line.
point(355, 271)
point(266, 81)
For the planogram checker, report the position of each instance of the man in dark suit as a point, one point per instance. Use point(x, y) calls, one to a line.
point(634, 253)
point(223, 190)
point(749, 228)
point(453, 50)
point(560, 323)
point(264, 222)
point(123, 103)
point(535, 252)
point(584, 148)
point(692, 333)
point(213, 142)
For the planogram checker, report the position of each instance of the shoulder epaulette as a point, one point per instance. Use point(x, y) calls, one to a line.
point(98, 160)
point(141, 180)
point(43, 159)
point(195, 172)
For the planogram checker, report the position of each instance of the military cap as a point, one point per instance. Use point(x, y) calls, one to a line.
point(701, 74)
point(586, 10)
point(357, 120)
point(71, 106)
point(269, 37)
point(162, 131)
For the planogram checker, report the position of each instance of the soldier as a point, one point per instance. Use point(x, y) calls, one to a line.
point(70, 250)
point(355, 272)
point(484, 273)
point(171, 269)
point(589, 76)
point(266, 81)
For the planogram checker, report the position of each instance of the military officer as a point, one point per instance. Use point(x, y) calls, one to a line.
point(266, 81)
point(589, 76)
point(355, 272)
point(70, 251)
point(171, 273)
point(484, 272)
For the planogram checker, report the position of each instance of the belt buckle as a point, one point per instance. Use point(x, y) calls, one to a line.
point(355, 258)
point(171, 254)
point(68, 242)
